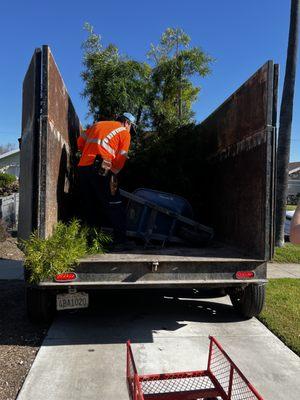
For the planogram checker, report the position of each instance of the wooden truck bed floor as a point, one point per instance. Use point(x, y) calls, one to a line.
point(216, 253)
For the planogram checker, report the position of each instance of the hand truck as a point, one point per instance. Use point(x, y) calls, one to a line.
point(221, 380)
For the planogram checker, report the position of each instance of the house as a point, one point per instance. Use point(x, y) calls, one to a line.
point(294, 182)
point(10, 162)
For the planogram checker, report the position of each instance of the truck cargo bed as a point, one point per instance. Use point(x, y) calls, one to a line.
point(229, 181)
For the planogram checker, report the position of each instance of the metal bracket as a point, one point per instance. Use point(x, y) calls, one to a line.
point(155, 265)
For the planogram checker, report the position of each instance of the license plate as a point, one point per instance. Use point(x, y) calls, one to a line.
point(67, 301)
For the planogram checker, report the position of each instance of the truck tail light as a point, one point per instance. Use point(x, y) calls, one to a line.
point(244, 274)
point(66, 277)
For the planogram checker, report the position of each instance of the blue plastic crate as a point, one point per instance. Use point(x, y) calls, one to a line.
point(141, 217)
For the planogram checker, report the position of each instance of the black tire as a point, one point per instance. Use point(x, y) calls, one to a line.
point(40, 305)
point(249, 301)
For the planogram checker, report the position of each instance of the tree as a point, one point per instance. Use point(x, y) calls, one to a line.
point(285, 123)
point(173, 92)
point(160, 96)
point(114, 83)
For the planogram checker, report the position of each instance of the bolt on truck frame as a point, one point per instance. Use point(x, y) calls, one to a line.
point(238, 143)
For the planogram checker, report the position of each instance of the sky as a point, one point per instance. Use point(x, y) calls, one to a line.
point(241, 36)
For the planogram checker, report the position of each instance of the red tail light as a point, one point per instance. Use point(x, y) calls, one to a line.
point(244, 275)
point(66, 277)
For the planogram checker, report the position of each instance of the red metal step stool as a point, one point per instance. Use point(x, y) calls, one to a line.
point(221, 380)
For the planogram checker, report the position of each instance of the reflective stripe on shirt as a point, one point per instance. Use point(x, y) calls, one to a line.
point(106, 146)
point(114, 133)
point(104, 142)
point(98, 141)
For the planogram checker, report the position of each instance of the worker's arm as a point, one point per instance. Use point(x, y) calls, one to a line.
point(295, 227)
point(82, 139)
point(122, 155)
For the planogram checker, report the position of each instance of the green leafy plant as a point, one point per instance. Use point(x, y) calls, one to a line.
point(173, 91)
point(97, 241)
point(6, 179)
point(45, 258)
point(160, 94)
point(114, 83)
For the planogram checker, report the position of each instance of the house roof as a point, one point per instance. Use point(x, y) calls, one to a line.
point(9, 153)
point(294, 165)
point(292, 171)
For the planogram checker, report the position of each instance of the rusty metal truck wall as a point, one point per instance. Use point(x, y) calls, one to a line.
point(238, 141)
point(29, 147)
point(60, 128)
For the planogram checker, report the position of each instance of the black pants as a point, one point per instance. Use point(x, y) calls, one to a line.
point(99, 204)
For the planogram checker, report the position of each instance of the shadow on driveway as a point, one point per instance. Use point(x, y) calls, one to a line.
point(115, 318)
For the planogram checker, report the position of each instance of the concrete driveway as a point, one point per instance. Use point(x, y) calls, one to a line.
point(83, 356)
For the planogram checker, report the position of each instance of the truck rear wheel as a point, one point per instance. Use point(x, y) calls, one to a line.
point(249, 301)
point(40, 305)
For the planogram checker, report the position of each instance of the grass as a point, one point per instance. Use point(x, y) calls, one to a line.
point(291, 207)
point(290, 253)
point(282, 311)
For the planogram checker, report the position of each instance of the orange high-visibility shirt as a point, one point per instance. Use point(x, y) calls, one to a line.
point(109, 139)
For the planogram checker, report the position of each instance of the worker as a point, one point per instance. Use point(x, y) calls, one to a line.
point(295, 227)
point(104, 149)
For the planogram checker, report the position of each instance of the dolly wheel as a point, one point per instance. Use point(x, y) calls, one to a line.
point(248, 301)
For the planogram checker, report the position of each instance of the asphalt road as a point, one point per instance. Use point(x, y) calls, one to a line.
point(83, 355)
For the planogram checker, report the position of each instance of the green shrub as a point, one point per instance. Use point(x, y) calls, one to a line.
point(6, 179)
point(45, 258)
point(181, 155)
point(97, 240)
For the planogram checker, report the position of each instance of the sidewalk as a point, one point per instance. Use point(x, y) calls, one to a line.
point(275, 270)
point(13, 269)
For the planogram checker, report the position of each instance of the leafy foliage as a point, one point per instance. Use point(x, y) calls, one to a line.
point(173, 92)
point(160, 95)
point(170, 163)
point(113, 82)
point(45, 258)
point(6, 180)
point(97, 240)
